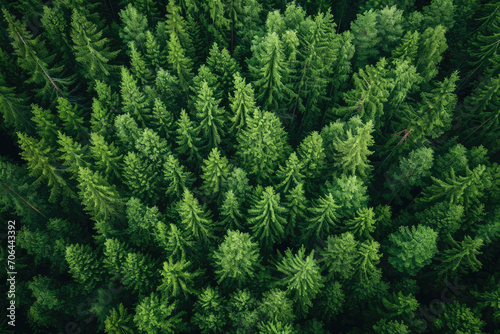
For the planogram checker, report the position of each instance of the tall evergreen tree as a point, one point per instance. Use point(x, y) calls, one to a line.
point(462, 258)
point(363, 224)
point(179, 62)
point(195, 218)
point(178, 179)
point(84, 265)
point(134, 26)
point(322, 218)
point(133, 100)
point(242, 103)
point(430, 51)
point(177, 278)
point(155, 314)
point(290, 175)
point(106, 156)
point(210, 116)
point(215, 172)
point(187, 139)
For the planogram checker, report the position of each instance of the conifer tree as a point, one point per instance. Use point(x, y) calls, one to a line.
point(231, 211)
point(152, 147)
point(363, 224)
point(179, 246)
point(366, 37)
point(412, 249)
point(70, 116)
point(224, 69)
point(141, 177)
point(176, 25)
point(177, 178)
point(162, 120)
point(339, 256)
point(268, 218)
point(462, 258)
point(244, 314)
point(119, 321)
point(322, 218)
point(72, 154)
point(209, 310)
point(156, 314)
point(268, 67)
point(40, 164)
point(105, 155)
point(313, 159)
point(84, 265)
point(139, 273)
point(210, 116)
point(215, 172)
point(33, 57)
point(353, 151)
point(430, 51)
point(367, 274)
point(91, 51)
point(177, 278)
point(187, 139)
point(350, 193)
point(135, 25)
point(115, 254)
point(302, 280)
point(237, 258)
point(242, 103)
point(290, 175)
point(262, 145)
point(138, 66)
point(99, 198)
point(179, 63)
point(153, 52)
point(45, 124)
point(126, 130)
point(133, 100)
point(439, 12)
point(457, 317)
point(408, 47)
point(13, 107)
point(195, 218)
point(276, 307)
point(296, 203)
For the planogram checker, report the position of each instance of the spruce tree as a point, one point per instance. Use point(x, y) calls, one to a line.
point(322, 218)
point(177, 178)
point(302, 279)
point(430, 51)
point(45, 124)
point(296, 203)
point(177, 278)
point(133, 100)
point(162, 120)
point(70, 116)
point(72, 154)
point(106, 156)
point(134, 25)
point(139, 273)
point(267, 219)
point(156, 314)
point(215, 172)
point(242, 104)
point(363, 224)
point(196, 219)
point(366, 37)
point(230, 211)
point(339, 256)
point(462, 258)
point(187, 139)
point(119, 321)
point(84, 265)
point(210, 314)
point(237, 258)
point(290, 175)
point(99, 198)
point(91, 51)
point(224, 68)
point(176, 25)
point(210, 116)
point(179, 62)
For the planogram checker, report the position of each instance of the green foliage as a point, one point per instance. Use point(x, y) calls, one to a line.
point(135, 25)
point(178, 62)
point(230, 211)
point(459, 318)
point(267, 218)
point(156, 314)
point(242, 103)
point(133, 100)
point(322, 219)
point(187, 138)
point(339, 255)
point(237, 258)
point(84, 265)
point(363, 224)
point(430, 51)
point(118, 321)
point(412, 249)
point(302, 279)
point(462, 257)
point(210, 314)
point(177, 278)
point(177, 178)
point(290, 175)
point(262, 145)
point(195, 218)
point(276, 307)
point(210, 116)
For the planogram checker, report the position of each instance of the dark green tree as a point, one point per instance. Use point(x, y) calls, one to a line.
point(210, 116)
point(196, 219)
point(119, 321)
point(210, 315)
point(177, 278)
point(155, 314)
point(322, 219)
point(84, 265)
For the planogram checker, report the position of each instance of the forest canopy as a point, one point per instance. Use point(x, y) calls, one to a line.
point(251, 166)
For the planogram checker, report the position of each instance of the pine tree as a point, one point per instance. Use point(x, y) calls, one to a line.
point(268, 218)
point(237, 258)
point(430, 51)
point(45, 124)
point(179, 63)
point(13, 107)
point(156, 314)
point(141, 178)
point(33, 57)
point(162, 120)
point(177, 178)
point(118, 321)
point(290, 175)
point(40, 164)
point(322, 218)
point(313, 159)
point(138, 66)
point(439, 12)
point(176, 25)
point(462, 258)
point(177, 278)
point(242, 104)
point(106, 156)
point(367, 274)
point(262, 145)
point(276, 307)
point(187, 139)
point(153, 52)
point(363, 225)
point(127, 131)
point(339, 256)
point(353, 151)
point(152, 148)
point(211, 117)
point(350, 193)
point(209, 310)
point(179, 246)
point(115, 254)
point(244, 314)
point(72, 154)
point(195, 218)
point(408, 47)
point(302, 280)
point(135, 25)
point(100, 199)
point(366, 37)
point(268, 66)
point(296, 203)
point(215, 172)
point(139, 273)
point(133, 100)
point(91, 51)
point(457, 189)
point(224, 68)
point(230, 211)
point(84, 265)
point(412, 249)
point(71, 117)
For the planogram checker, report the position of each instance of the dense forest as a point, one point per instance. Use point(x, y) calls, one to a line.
point(250, 166)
